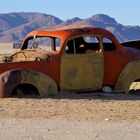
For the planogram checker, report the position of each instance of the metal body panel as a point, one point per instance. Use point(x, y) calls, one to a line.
point(114, 63)
point(81, 71)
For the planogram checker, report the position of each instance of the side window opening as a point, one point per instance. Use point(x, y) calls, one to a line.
point(80, 45)
point(92, 43)
point(70, 47)
point(83, 44)
point(108, 45)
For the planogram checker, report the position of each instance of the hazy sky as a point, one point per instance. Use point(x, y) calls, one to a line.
point(126, 12)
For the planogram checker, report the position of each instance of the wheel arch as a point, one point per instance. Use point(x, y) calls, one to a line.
point(128, 75)
point(11, 78)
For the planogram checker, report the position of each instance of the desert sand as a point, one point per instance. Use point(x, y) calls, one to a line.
point(71, 116)
point(94, 106)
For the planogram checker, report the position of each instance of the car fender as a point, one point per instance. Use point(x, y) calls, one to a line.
point(128, 75)
point(11, 78)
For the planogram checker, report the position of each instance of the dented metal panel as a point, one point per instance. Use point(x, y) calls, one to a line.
point(128, 75)
point(10, 79)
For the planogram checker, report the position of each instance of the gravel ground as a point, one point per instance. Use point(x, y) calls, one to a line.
point(63, 129)
point(71, 116)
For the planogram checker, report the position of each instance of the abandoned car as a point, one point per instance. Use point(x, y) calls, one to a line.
point(76, 59)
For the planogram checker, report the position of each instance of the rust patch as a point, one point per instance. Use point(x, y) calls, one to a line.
point(8, 81)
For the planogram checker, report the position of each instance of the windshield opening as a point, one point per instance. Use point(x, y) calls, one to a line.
point(43, 42)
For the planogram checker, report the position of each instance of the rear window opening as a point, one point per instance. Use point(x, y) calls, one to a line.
point(108, 45)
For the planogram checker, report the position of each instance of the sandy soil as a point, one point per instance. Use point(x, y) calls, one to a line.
point(71, 116)
point(95, 106)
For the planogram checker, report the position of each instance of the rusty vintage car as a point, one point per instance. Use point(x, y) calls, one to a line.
point(76, 59)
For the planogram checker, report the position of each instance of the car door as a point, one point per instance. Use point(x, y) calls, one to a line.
point(82, 64)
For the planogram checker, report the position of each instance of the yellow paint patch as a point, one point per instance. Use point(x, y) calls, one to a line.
point(82, 71)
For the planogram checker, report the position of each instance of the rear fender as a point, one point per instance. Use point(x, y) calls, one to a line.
point(128, 75)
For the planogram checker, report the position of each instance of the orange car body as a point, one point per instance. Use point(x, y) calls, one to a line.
point(111, 68)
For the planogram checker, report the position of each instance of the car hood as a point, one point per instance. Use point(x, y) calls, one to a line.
point(30, 55)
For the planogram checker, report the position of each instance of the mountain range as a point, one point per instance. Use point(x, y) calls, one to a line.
point(15, 26)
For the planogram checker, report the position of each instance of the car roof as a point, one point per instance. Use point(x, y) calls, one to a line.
point(69, 32)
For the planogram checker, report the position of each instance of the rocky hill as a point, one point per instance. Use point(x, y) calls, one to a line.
point(14, 26)
point(123, 33)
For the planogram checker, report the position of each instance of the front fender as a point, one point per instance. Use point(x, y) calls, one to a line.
point(128, 75)
point(11, 78)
